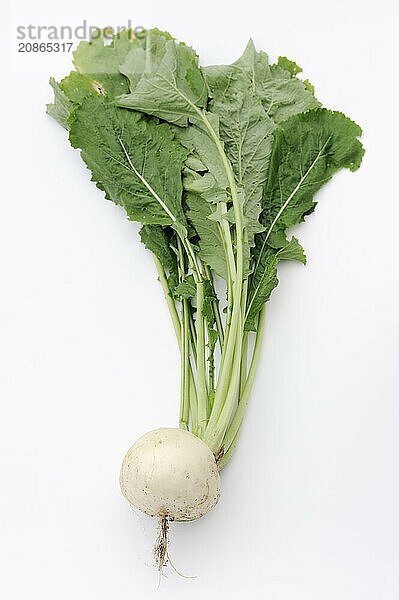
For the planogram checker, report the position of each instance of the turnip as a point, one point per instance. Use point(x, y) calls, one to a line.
point(217, 163)
point(170, 473)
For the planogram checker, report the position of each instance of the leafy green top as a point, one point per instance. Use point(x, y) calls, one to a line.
point(217, 163)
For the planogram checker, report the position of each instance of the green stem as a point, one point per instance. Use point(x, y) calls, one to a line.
point(244, 351)
point(193, 403)
point(229, 371)
point(168, 297)
point(193, 333)
point(238, 276)
point(184, 380)
point(211, 370)
point(231, 347)
point(231, 353)
point(214, 435)
point(234, 196)
point(191, 258)
point(227, 454)
point(215, 305)
point(177, 327)
point(244, 361)
point(185, 377)
point(201, 361)
point(228, 377)
point(228, 318)
point(232, 184)
point(211, 376)
point(193, 397)
point(236, 422)
point(231, 272)
point(227, 242)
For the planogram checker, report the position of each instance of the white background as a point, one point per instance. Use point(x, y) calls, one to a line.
point(89, 361)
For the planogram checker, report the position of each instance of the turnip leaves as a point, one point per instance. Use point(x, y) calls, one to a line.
point(217, 163)
point(136, 161)
point(308, 149)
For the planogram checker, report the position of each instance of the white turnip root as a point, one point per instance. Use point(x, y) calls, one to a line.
point(170, 473)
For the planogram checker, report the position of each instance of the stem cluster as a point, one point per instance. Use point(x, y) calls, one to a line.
point(213, 400)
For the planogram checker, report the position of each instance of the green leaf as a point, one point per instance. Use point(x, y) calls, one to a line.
point(204, 184)
point(97, 67)
point(308, 149)
point(254, 64)
point(136, 161)
point(62, 106)
point(308, 86)
point(157, 240)
point(207, 187)
point(240, 92)
point(289, 65)
point(245, 128)
point(136, 61)
point(262, 283)
point(186, 289)
point(195, 164)
point(212, 341)
point(211, 249)
point(209, 297)
point(292, 251)
point(207, 310)
point(171, 86)
point(282, 94)
point(97, 74)
point(246, 131)
point(203, 149)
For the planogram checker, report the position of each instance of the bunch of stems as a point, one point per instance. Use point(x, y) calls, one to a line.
point(212, 404)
